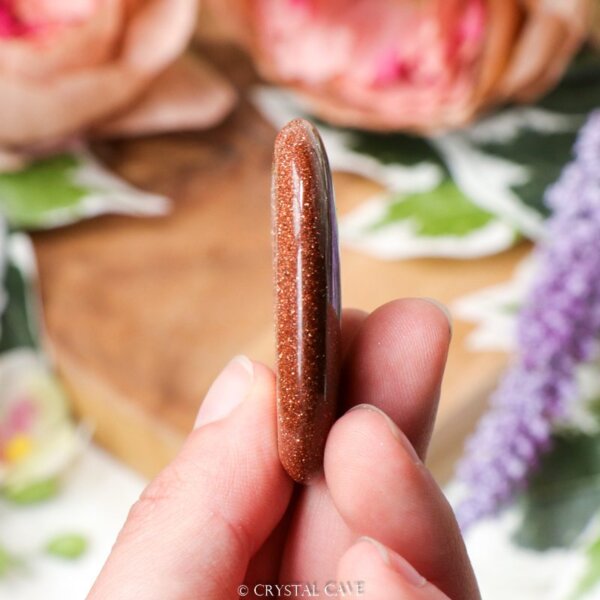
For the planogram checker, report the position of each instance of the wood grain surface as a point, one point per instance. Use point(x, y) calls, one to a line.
point(141, 314)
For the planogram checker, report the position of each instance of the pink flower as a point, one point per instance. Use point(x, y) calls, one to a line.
point(38, 438)
point(23, 17)
point(70, 66)
point(393, 64)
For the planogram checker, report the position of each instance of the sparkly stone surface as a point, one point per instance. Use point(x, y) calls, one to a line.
point(307, 310)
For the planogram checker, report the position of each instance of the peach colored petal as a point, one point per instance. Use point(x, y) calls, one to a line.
point(33, 112)
point(404, 108)
point(189, 95)
point(159, 33)
point(54, 11)
point(536, 51)
point(347, 115)
point(545, 47)
point(65, 47)
point(504, 21)
point(29, 114)
point(428, 114)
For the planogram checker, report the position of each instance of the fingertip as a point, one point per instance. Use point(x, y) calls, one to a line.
point(442, 308)
point(240, 380)
point(371, 555)
point(405, 315)
point(363, 443)
point(382, 489)
point(252, 427)
point(396, 361)
point(227, 391)
point(378, 572)
point(240, 447)
point(263, 387)
point(381, 417)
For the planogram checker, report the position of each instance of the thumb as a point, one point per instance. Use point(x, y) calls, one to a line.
point(196, 526)
point(373, 571)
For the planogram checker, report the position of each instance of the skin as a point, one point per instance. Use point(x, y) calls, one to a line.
point(224, 513)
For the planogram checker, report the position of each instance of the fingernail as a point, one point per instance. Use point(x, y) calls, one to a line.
point(397, 563)
point(227, 391)
point(381, 549)
point(398, 434)
point(441, 307)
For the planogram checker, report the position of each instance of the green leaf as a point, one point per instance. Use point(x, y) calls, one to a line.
point(591, 575)
point(18, 325)
point(32, 493)
point(441, 222)
point(8, 561)
point(579, 90)
point(69, 546)
point(563, 495)
point(544, 154)
point(394, 148)
point(69, 187)
point(444, 211)
point(29, 195)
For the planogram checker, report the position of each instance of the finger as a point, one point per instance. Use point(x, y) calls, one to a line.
point(266, 564)
point(398, 340)
point(316, 508)
point(382, 489)
point(352, 320)
point(317, 537)
point(370, 571)
point(397, 361)
point(196, 526)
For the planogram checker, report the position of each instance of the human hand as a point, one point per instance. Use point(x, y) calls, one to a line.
point(224, 514)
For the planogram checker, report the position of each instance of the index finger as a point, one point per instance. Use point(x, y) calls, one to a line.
point(395, 361)
point(197, 525)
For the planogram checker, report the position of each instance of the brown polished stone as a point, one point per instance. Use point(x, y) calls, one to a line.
point(307, 308)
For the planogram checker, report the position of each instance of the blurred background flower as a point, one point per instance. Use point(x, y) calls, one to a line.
point(558, 330)
point(38, 439)
point(111, 66)
point(421, 66)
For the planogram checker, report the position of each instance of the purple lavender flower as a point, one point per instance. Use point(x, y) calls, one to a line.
point(558, 328)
